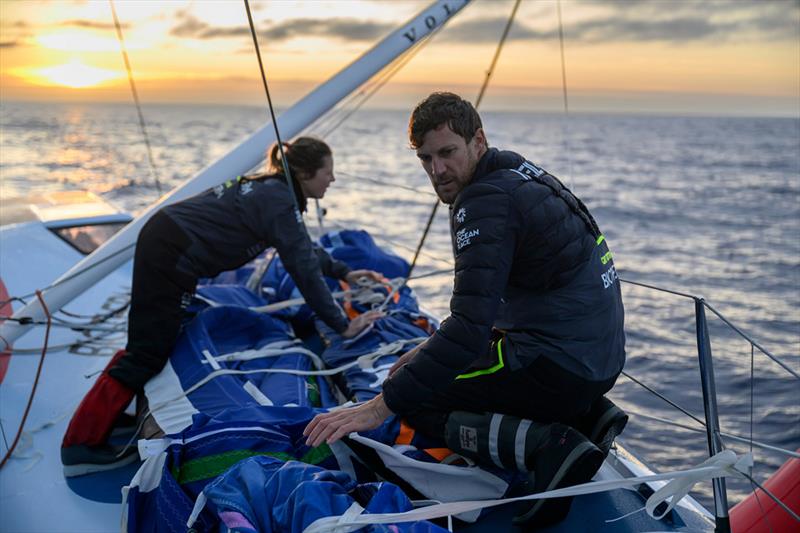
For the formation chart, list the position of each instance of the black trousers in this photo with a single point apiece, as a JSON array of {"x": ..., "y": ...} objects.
[
  {"x": 542, "y": 392},
  {"x": 159, "y": 294}
]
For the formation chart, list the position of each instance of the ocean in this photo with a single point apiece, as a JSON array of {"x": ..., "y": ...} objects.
[{"x": 700, "y": 205}]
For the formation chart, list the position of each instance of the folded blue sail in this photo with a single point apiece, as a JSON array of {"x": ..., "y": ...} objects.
[
  {"x": 237, "y": 389},
  {"x": 266, "y": 495}
]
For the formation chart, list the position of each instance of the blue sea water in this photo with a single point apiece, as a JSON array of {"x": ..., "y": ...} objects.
[{"x": 699, "y": 205}]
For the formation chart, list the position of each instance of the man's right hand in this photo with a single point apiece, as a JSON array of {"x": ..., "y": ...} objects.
[{"x": 360, "y": 322}]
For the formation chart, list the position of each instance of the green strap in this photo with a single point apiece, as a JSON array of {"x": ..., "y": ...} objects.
[
  {"x": 212, "y": 466},
  {"x": 490, "y": 370}
]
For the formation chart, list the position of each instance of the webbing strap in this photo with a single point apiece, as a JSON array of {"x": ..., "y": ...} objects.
[{"x": 725, "y": 463}]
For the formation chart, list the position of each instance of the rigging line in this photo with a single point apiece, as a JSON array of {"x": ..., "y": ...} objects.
[
  {"x": 396, "y": 66},
  {"x": 566, "y": 100},
  {"x": 364, "y": 93},
  {"x": 730, "y": 436},
  {"x": 285, "y": 163},
  {"x": 497, "y": 54},
  {"x": 142, "y": 126},
  {"x": 416, "y": 190},
  {"x": 774, "y": 498},
  {"x": 422, "y": 240},
  {"x": 751, "y": 341},
  {"x": 673, "y": 404},
  {"x": 102, "y": 317},
  {"x": 35, "y": 382},
  {"x": 65, "y": 325},
  {"x": 432, "y": 273}
]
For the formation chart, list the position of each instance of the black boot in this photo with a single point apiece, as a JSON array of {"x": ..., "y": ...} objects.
[
  {"x": 602, "y": 423},
  {"x": 555, "y": 455}
]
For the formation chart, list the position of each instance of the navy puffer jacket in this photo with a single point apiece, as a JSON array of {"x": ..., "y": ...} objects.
[
  {"x": 232, "y": 223},
  {"x": 530, "y": 261}
]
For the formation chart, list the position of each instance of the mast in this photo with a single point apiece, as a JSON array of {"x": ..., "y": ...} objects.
[{"x": 119, "y": 249}]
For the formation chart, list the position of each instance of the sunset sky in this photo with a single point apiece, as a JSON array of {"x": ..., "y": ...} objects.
[{"x": 714, "y": 57}]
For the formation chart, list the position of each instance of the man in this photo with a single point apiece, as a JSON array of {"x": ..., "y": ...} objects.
[{"x": 516, "y": 374}]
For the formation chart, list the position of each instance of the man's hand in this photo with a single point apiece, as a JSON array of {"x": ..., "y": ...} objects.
[
  {"x": 360, "y": 322},
  {"x": 406, "y": 358},
  {"x": 330, "y": 427},
  {"x": 354, "y": 278}
]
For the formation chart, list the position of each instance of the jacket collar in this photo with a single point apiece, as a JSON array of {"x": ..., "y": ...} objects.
[{"x": 486, "y": 164}]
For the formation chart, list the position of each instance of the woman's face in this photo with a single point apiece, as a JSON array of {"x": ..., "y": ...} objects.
[{"x": 316, "y": 185}]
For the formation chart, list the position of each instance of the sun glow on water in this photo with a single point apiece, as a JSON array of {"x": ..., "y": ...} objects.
[{"x": 76, "y": 75}]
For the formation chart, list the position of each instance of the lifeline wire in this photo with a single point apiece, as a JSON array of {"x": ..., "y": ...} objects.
[
  {"x": 743, "y": 440},
  {"x": 135, "y": 98},
  {"x": 774, "y": 498},
  {"x": 673, "y": 404},
  {"x": 721, "y": 317}
]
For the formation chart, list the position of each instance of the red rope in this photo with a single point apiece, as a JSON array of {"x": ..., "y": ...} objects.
[{"x": 35, "y": 381}]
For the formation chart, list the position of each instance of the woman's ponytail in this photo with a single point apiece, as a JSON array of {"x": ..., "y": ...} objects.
[{"x": 305, "y": 155}]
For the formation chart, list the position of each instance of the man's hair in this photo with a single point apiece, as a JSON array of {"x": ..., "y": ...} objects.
[
  {"x": 443, "y": 108},
  {"x": 305, "y": 156}
]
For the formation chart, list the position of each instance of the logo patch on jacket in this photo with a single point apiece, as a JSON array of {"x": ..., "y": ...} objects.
[
  {"x": 468, "y": 438},
  {"x": 464, "y": 237},
  {"x": 529, "y": 168},
  {"x": 461, "y": 215}
]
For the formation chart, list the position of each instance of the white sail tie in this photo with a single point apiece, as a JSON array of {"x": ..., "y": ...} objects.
[{"x": 725, "y": 463}]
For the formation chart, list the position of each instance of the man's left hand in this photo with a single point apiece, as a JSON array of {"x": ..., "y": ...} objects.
[
  {"x": 330, "y": 427},
  {"x": 354, "y": 277}
]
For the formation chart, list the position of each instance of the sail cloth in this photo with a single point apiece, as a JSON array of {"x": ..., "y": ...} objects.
[{"x": 234, "y": 413}]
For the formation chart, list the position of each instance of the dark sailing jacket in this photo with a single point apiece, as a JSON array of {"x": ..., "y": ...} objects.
[
  {"x": 530, "y": 261},
  {"x": 232, "y": 223}
]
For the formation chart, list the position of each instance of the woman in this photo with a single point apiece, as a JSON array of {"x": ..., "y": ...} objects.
[{"x": 218, "y": 230}]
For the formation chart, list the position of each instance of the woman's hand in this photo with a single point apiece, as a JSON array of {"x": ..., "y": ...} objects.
[
  {"x": 360, "y": 322},
  {"x": 406, "y": 358},
  {"x": 330, "y": 427},
  {"x": 354, "y": 278}
]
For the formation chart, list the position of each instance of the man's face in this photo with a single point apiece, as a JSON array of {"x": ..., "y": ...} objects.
[{"x": 449, "y": 160}]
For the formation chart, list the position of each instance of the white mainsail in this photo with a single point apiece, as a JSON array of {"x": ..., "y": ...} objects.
[{"x": 244, "y": 157}]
